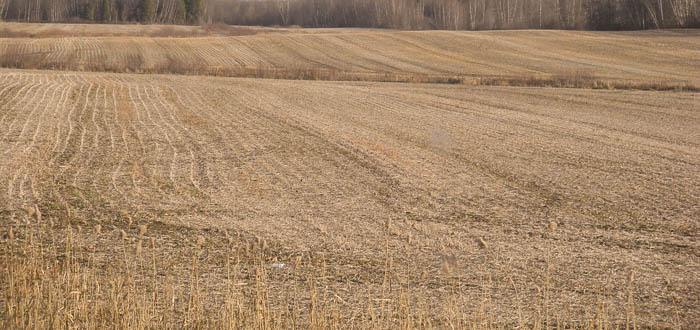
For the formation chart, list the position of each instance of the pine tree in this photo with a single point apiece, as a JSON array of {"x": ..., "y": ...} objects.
[
  {"x": 601, "y": 14},
  {"x": 195, "y": 11},
  {"x": 201, "y": 10},
  {"x": 188, "y": 9},
  {"x": 146, "y": 10},
  {"x": 90, "y": 11},
  {"x": 106, "y": 10},
  {"x": 181, "y": 12}
]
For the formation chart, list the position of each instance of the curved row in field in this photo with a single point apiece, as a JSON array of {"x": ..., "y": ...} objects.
[
  {"x": 651, "y": 56},
  {"x": 324, "y": 166}
]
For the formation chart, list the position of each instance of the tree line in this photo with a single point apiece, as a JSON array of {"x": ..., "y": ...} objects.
[
  {"x": 104, "y": 11},
  {"x": 398, "y": 14}
]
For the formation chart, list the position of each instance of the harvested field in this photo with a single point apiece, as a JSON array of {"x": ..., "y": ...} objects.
[
  {"x": 652, "y": 57},
  {"x": 55, "y": 30},
  {"x": 466, "y": 206}
]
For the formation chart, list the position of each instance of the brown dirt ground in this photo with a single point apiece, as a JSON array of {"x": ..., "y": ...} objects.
[{"x": 320, "y": 167}]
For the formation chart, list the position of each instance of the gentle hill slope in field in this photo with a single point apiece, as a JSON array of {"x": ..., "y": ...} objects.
[
  {"x": 192, "y": 201},
  {"x": 650, "y": 56},
  {"x": 571, "y": 189}
]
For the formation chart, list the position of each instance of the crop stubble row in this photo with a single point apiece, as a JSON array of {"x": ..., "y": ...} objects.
[
  {"x": 638, "y": 56},
  {"x": 324, "y": 165}
]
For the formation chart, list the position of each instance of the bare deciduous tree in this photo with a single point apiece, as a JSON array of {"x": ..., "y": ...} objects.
[
  {"x": 283, "y": 8},
  {"x": 400, "y": 14}
]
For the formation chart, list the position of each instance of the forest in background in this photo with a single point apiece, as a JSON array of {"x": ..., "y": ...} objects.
[{"x": 396, "y": 14}]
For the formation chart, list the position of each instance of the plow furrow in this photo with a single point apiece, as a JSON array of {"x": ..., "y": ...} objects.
[{"x": 352, "y": 168}]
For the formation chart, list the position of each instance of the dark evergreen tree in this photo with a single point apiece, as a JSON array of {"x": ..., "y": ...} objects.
[
  {"x": 195, "y": 11},
  {"x": 106, "y": 10},
  {"x": 601, "y": 14},
  {"x": 180, "y": 12},
  {"x": 146, "y": 11},
  {"x": 90, "y": 11}
]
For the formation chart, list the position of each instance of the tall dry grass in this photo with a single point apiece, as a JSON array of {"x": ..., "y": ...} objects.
[
  {"x": 585, "y": 79},
  {"x": 53, "y": 275}
]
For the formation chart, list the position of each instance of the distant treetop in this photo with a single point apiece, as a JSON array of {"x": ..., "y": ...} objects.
[{"x": 397, "y": 14}]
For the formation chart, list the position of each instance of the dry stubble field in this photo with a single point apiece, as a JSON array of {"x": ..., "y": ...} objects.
[
  {"x": 167, "y": 199},
  {"x": 671, "y": 57}
]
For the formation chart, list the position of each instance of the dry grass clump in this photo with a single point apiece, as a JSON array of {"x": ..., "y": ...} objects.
[
  {"x": 80, "y": 288},
  {"x": 142, "y": 230},
  {"x": 585, "y": 79},
  {"x": 200, "y": 240},
  {"x": 19, "y": 60},
  {"x": 482, "y": 244},
  {"x": 178, "y": 65},
  {"x": 217, "y": 29},
  {"x": 37, "y": 213},
  {"x": 7, "y": 32},
  {"x": 171, "y": 32},
  {"x": 228, "y": 30}
]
